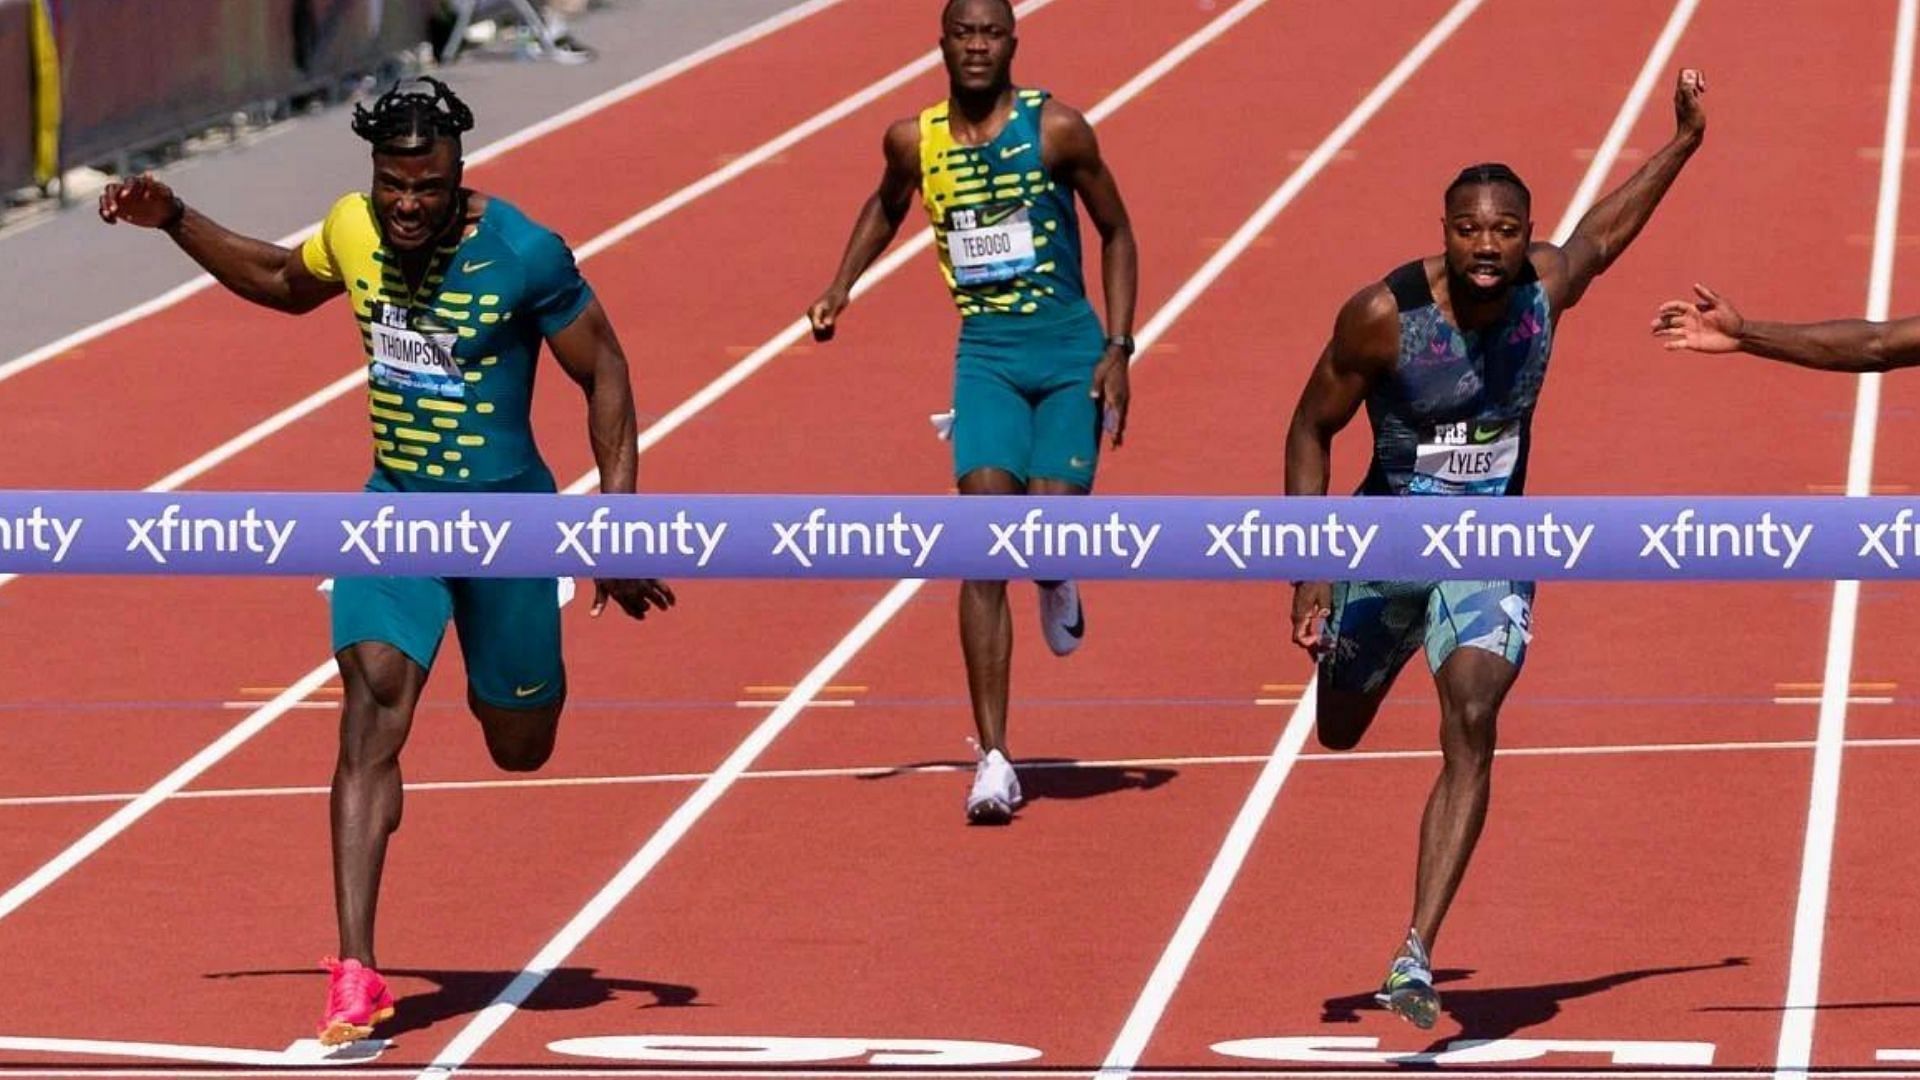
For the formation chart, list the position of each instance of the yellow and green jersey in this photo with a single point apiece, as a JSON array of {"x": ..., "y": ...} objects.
[
  {"x": 450, "y": 368},
  {"x": 1007, "y": 234}
]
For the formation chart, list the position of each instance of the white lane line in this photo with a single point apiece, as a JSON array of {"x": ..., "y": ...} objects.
[
  {"x": 168, "y": 785},
  {"x": 1653, "y": 73},
  {"x": 357, "y": 378},
  {"x": 1161, "y": 985},
  {"x": 320, "y": 676},
  {"x": 489, "y": 1021},
  {"x": 1795, "y": 1051},
  {"x": 507, "y": 144},
  {"x": 880, "y": 772}
]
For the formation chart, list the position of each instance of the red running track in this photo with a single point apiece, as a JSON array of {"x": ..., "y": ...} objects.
[{"x": 858, "y": 906}]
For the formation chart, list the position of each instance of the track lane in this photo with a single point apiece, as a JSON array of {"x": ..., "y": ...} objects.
[{"x": 1579, "y": 853}]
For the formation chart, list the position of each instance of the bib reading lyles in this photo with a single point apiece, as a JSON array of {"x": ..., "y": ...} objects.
[
  {"x": 990, "y": 244},
  {"x": 414, "y": 354},
  {"x": 1454, "y": 416},
  {"x": 1474, "y": 457}
]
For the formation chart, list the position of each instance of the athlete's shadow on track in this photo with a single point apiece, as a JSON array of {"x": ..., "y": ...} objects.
[
  {"x": 1504, "y": 1011},
  {"x": 1057, "y": 778},
  {"x": 463, "y": 993}
]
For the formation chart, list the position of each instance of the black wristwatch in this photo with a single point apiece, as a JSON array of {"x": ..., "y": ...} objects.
[{"x": 1124, "y": 343}]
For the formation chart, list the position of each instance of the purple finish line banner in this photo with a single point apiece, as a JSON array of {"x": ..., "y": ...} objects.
[{"x": 793, "y": 536}]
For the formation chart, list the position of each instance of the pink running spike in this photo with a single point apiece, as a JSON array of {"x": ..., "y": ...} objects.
[{"x": 357, "y": 999}]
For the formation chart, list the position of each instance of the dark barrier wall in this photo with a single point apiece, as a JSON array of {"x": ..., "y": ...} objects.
[
  {"x": 335, "y": 38},
  {"x": 138, "y": 73},
  {"x": 16, "y": 96}
]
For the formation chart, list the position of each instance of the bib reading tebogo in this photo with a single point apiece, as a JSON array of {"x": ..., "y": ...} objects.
[{"x": 990, "y": 244}]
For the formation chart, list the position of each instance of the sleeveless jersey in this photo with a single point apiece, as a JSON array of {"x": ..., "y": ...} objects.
[
  {"x": 1008, "y": 236},
  {"x": 1456, "y": 416}
]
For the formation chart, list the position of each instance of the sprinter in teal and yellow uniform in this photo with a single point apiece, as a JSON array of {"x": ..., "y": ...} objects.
[
  {"x": 454, "y": 292},
  {"x": 1037, "y": 379}
]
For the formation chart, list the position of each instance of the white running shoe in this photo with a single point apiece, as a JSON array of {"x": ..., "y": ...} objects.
[
  {"x": 996, "y": 790},
  {"x": 1062, "y": 620}
]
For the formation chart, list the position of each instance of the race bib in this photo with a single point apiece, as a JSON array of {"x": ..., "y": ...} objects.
[
  {"x": 990, "y": 244},
  {"x": 1471, "y": 457},
  {"x": 412, "y": 354}
]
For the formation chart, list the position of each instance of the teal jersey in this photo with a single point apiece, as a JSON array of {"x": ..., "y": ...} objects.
[
  {"x": 1007, "y": 233},
  {"x": 450, "y": 368}
]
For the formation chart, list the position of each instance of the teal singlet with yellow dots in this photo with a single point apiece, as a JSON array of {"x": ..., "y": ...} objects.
[
  {"x": 1008, "y": 237},
  {"x": 1007, "y": 233},
  {"x": 450, "y": 367}
]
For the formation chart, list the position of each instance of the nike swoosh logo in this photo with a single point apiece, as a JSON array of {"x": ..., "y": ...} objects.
[
  {"x": 528, "y": 691},
  {"x": 1012, "y": 150},
  {"x": 1079, "y": 627},
  {"x": 989, "y": 218},
  {"x": 468, "y": 268},
  {"x": 1079, "y": 463},
  {"x": 1481, "y": 435}
]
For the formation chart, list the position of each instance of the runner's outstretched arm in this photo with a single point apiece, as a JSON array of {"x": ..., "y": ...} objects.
[
  {"x": 1606, "y": 230},
  {"x": 1708, "y": 323},
  {"x": 267, "y": 274}
]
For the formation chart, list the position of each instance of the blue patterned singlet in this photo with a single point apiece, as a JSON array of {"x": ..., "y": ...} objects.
[{"x": 1456, "y": 416}]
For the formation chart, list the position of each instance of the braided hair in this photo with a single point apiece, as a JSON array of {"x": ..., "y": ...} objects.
[
  {"x": 1490, "y": 172},
  {"x": 410, "y": 121}
]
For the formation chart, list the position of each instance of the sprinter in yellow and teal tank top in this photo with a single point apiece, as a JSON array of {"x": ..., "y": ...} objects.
[
  {"x": 454, "y": 293},
  {"x": 1037, "y": 378}
]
